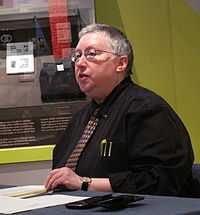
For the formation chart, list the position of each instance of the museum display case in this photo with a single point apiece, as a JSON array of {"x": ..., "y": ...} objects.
[{"x": 38, "y": 91}]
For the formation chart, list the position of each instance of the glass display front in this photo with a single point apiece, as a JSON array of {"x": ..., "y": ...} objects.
[{"x": 38, "y": 91}]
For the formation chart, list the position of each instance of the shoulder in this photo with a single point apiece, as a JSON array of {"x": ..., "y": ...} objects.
[
  {"x": 147, "y": 105},
  {"x": 143, "y": 99}
]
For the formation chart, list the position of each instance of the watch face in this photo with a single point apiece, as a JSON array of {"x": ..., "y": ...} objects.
[{"x": 86, "y": 179}]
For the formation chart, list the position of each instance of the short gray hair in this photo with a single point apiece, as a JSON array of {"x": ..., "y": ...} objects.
[{"x": 118, "y": 42}]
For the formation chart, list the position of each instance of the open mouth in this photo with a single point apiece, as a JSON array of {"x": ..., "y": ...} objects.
[{"x": 82, "y": 76}]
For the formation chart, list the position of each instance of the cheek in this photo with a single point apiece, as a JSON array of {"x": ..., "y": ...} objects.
[
  {"x": 107, "y": 72},
  {"x": 104, "y": 78},
  {"x": 76, "y": 74}
]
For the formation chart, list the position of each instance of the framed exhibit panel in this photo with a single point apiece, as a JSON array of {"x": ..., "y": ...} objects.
[{"x": 38, "y": 91}]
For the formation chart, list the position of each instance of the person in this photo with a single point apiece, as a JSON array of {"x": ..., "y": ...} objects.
[{"x": 139, "y": 144}]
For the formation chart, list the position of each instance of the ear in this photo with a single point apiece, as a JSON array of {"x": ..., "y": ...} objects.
[{"x": 123, "y": 63}]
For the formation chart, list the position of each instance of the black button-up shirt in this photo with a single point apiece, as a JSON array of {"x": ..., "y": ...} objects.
[{"x": 140, "y": 143}]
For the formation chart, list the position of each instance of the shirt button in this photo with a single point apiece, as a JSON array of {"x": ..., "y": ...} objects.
[{"x": 105, "y": 116}]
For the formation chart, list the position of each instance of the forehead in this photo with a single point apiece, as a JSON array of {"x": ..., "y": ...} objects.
[{"x": 96, "y": 40}]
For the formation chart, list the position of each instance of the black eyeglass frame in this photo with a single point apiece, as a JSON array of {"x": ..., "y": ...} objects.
[{"x": 90, "y": 56}]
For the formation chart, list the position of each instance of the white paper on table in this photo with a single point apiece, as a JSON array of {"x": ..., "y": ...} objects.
[{"x": 11, "y": 205}]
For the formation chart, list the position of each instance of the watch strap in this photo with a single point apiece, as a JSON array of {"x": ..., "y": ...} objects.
[{"x": 85, "y": 183}]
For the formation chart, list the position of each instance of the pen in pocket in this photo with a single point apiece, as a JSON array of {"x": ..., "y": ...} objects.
[
  {"x": 110, "y": 148},
  {"x": 103, "y": 144},
  {"x": 105, "y": 148}
]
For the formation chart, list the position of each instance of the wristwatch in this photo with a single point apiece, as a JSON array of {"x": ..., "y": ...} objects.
[{"x": 85, "y": 183}]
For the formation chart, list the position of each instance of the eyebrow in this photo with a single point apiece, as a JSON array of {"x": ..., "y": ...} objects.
[{"x": 89, "y": 47}]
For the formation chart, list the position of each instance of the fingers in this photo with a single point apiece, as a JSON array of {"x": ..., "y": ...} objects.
[
  {"x": 55, "y": 178},
  {"x": 47, "y": 184},
  {"x": 63, "y": 176},
  {"x": 52, "y": 179}
]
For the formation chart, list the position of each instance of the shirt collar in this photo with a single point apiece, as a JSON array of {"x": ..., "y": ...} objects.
[{"x": 103, "y": 107}]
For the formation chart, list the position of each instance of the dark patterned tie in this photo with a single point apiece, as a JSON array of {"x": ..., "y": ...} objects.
[{"x": 87, "y": 133}]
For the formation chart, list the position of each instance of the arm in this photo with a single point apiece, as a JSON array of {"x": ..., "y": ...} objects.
[
  {"x": 100, "y": 185},
  {"x": 65, "y": 176},
  {"x": 159, "y": 155}
]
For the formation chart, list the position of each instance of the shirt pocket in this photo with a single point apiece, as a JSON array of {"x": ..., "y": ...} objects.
[{"x": 114, "y": 155}]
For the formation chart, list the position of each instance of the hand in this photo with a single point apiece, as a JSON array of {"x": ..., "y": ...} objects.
[{"x": 63, "y": 176}]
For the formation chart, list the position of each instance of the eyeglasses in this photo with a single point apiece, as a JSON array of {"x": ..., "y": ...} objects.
[{"x": 91, "y": 54}]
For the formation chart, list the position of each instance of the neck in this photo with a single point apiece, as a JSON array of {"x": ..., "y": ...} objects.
[
  {"x": 102, "y": 98},
  {"x": 102, "y": 94}
]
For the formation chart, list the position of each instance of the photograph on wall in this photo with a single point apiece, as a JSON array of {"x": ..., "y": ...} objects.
[{"x": 19, "y": 58}]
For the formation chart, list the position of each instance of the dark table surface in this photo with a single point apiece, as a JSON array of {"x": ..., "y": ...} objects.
[{"x": 151, "y": 205}]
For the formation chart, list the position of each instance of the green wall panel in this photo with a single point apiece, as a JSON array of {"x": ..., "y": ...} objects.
[
  {"x": 185, "y": 24},
  {"x": 146, "y": 24},
  {"x": 26, "y": 154},
  {"x": 165, "y": 34}
]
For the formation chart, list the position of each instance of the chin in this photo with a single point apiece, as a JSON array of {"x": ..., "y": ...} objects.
[
  {"x": 86, "y": 89},
  {"x": 89, "y": 94}
]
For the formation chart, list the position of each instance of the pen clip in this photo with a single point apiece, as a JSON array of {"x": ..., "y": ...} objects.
[{"x": 103, "y": 144}]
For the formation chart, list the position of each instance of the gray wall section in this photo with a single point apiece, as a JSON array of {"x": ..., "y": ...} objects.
[{"x": 30, "y": 173}]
